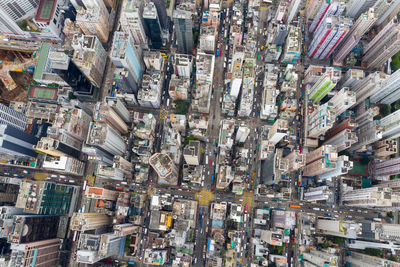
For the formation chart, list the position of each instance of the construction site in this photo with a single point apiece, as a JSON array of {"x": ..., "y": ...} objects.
[{"x": 16, "y": 72}]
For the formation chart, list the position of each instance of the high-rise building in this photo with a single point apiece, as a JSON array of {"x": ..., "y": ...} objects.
[
  {"x": 389, "y": 90},
  {"x": 385, "y": 148},
  {"x": 391, "y": 125},
  {"x": 7, "y": 218},
  {"x": 120, "y": 108},
  {"x": 292, "y": 10},
  {"x": 40, "y": 253},
  {"x": 12, "y": 117},
  {"x": 192, "y": 153},
  {"x": 321, "y": 193},
  {"x": 132, "y": 21},
  {"x": 152, "y": 22},
  {"x": 367, "y": 134},
  {"x": 324, "y": 116},
  {"x": 165, "y": 168},
  {"x": 94, "y": 21},
  {"x": 12, "y": 12},
  {"x": 319, "y": 258},
  {"x": 89, "y": 221},
  {"x": 384, "y": 8},
  {"x": 352, "y": 77},
  {"x": 341, "y": 166},
  {"x": 354, "y": 8},
  {"x": 343, "y": 140},
  {"x": 356, "y": 259},
  {"x": 359, "y": 28},
  {"x": 278, "y": 130},
  {"x": 342, "y": 228},
  {"x": 101, "y": 193},
  {"x": 322, "y": 85},
  {"x": 183, "y": 65},
  {"x": 90, "y": 57},
  {"x": 295, "y": 160},
  {"x": 329, "y": 34},
  {"x": 242, "y": 134},
  {"x": 57, "y": 67},
  {"x": 348, "y": 123},
  {"x": 161, "y": 12},
  {"x": 386, "y": 167},
  {"x": 292, "y": 49},
  {"x": 183, "y": 29},
  {"x": 327, "y": 9},
  {"x": 107, "y": 139},
  {"x": 14, "y": 142},
  {"x": 47, "y": 198},
  {"x": 368, "y": 197},
  {"x": 207, "y": 39},
  {"x": 365, "y": 114},
  {"x": 369, "y": 85},
  {"x": 108, "y": 115},
  {"x": 125, "y": 54},
  {"x": 384, "y": 45},
  {"x": 280, "y": 11},
  {"x": 40, "y": 227},
  {"x": 321, "y": 160},
  {"x": 313, "y": 7}
]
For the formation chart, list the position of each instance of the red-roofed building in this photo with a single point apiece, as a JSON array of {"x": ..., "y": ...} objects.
[{"x": 49, "y": 19}]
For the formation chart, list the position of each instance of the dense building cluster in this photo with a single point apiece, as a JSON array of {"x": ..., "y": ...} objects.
[{"x": 199, "y": 133}]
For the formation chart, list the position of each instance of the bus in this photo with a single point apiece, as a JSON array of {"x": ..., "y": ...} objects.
[
  {"x": 295, "y": 206},
  {"x": 258, "y": 56}
]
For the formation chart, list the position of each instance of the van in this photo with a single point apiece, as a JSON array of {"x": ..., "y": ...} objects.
[{"x": 316, "y": 209}]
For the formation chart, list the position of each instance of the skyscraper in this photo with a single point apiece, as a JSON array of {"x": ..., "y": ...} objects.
[
  {"x": 386, "y": 168},
  {"x": 354, "y": 8},
  {"x": 152, "y": 22},
  {"x": 57, "y": 67},
  {"x": 12, "y": 117},
  {"x": 125, "y": 54},
  {"x": 389, "y": 90},
  {"x": 327, "y": 9},
  {"x": 132, "y": 21},
  {"x": 31, "y": 228},
  {"x": 107, "y": 139},
  {"x": 391, "y": 125},
  {"x": 47, "y": 198},
  {"x": 39, "y": 253},
  {"x": 183, "y": 29},
  {"x": 384, "y": 45},
  {"x": 369, "y": 85},
  {"x": 14, "y": 142},
  {"x": 328, "y": 35},
  {"x": 90, "y": 57},
  {"x": 292, "y": 9},
  {"x": 360, "y": 27},
  {"x": 12, "y": 12},
  {"x": 89, "y": 221}
]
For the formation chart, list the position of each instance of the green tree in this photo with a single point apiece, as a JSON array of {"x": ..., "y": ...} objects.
[
  {"x": 390, "y": 214},
  {"x": 374, "y": 252},
  {"x": 339, "y": 240},
  {"x": 393, "y": 258},
  {"x": 326, "y": 244},
  {"x": 190, "y": 138},
  {"x": 384, "y": 109},
  {"x": 181, "y": 107}
]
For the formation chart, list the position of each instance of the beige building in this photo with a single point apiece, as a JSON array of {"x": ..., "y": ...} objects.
[
  {"x": 192, "y": 153},
  {"x": 89, "y": 221},
  {"x": 94, "y": 22}
]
